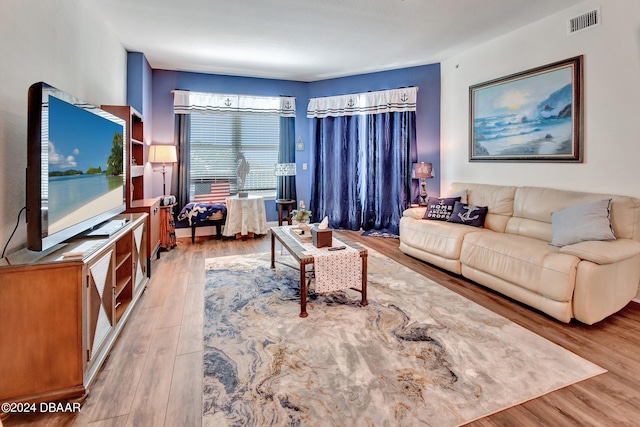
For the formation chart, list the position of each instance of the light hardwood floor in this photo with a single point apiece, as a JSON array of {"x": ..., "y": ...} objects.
[{"x": 153, "y": 376}]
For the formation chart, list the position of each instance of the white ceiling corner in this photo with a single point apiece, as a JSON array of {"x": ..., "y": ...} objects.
[{"x": 309, "y": 40}]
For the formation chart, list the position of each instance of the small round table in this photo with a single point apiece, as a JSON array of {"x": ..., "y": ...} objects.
[
  {"x": 246, "y": 216},
  {"x": 284, "y": 204}
]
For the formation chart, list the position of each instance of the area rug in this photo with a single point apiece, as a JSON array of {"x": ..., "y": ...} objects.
[{"x": 417, "y": 355}]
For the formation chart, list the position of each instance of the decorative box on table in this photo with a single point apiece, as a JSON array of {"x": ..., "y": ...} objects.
[
  {"x": 300, "y": 234},
  {"x": 321, "y": 238}
]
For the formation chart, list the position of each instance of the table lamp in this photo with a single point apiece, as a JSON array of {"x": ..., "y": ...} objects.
[
  {"x": 163, "y": 153},
  {"x": 422, "y": 171},
  {"x": 284, "y": 170}
]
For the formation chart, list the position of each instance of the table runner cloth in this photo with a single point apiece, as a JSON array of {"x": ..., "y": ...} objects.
[{"x": 335, "y": 270}]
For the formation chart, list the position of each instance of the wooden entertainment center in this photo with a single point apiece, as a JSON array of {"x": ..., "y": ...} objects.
[
  {"x": 60, "y": 315},
  {"x": 136, "y": 202}
]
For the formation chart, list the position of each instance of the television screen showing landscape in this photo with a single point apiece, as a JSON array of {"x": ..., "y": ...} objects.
[{"x": 85, "y": 165}]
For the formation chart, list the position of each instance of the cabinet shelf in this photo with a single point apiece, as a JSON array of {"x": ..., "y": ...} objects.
[
  {"x": 122, "y": 285},
  {"x": 135, "y": 149},
  {"x": 121, "y": 258}
]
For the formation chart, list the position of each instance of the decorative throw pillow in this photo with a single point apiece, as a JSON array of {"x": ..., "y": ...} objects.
[
  {"x": 588, "y": 221},
  {"x": 440, "y": 209},
  {"x": 468, "y": 214}
]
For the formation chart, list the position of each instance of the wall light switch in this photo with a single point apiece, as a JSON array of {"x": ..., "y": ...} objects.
[{"x": 304, "y": 166}]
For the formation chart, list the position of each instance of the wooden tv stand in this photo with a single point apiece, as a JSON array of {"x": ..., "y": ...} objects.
[{"x": 60, "y": 316}]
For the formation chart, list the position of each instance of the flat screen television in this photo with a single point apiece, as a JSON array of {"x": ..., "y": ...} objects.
[{"x": 75, "y": 167}]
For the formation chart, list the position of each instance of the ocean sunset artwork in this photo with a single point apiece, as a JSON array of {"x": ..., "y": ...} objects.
[{"x": 530, "y": 116}]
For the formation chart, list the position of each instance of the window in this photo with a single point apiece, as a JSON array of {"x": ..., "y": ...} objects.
[
  {"x": 223, "y": 126},
  {"x": 217, "y": 139}
]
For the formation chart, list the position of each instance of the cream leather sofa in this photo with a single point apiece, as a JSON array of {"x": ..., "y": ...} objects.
[{"x": 512, "y": 254}]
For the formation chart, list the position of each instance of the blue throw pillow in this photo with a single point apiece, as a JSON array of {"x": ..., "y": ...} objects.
[
  {"x": 440, "y": 209},
  {"x": 588, "y": 221},
  {"x": 468, "y": 214}
]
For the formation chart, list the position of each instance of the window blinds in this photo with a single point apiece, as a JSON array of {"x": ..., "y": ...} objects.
[
  {"x": 224, "y": 125},
  {"x": 216, "y": 140}
]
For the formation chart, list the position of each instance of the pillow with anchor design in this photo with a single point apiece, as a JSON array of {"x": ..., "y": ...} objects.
[{"x": 468, "y": 214}]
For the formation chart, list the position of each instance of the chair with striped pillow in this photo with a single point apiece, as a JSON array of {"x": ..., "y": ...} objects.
[{"x": 218, "y": 194}]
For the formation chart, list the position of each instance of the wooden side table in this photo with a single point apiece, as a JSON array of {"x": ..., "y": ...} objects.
[
  {"x": 283, "y": 205},
  {"x": 167, "y": 228}
]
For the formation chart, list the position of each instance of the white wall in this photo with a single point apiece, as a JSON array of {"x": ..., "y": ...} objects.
[
  {"x": 611, "y": 101},
  {"x": 611, "y": 94},
  {"x": 60, "y": 42}
]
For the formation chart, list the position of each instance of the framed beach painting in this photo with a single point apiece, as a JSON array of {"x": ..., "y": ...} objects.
[{"x": 535, "y": 115}]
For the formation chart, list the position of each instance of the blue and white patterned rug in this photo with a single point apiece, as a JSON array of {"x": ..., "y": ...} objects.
[{"x": 417, "y": 355}]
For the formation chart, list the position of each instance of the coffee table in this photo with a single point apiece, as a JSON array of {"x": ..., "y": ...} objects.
[{"x": 299, "y": 252}]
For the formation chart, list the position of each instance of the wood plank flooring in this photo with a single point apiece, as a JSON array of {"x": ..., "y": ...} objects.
[{"x": 153, "y": 375}]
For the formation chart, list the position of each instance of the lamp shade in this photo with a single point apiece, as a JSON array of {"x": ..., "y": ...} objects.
[
  {"x": 163, "y": 154},
  {"x": 422, "y": 170},
  {"x": 285, "y": 169}
]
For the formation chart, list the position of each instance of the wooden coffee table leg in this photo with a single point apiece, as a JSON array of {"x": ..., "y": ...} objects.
[
  {"x": 364, "y": 279},
  {"x": 273, "y": 250},
  {"x": 303, "y": 289}
]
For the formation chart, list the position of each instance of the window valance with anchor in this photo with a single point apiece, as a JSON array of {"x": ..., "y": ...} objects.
[
  {"x": 186, "y": 102},
  {"x": 384, "y": 101}
]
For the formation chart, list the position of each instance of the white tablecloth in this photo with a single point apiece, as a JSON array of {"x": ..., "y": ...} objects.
[{"x": 245, "y": 215}]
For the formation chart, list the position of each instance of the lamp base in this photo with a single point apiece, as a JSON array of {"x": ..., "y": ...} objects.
[{"x": 423, "y": 193}]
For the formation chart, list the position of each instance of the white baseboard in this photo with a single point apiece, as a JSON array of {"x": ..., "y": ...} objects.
[
  {"x": 209, "y": 230},
  {"x": 200, "y": 231}
]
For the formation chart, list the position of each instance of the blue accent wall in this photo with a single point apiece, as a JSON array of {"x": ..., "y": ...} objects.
[
  {"x": 166, "y": 81},
  {"x": 139, "y": 83},
  {"x": 139, "y": 90},
  {"x": 426, "y": 77}
]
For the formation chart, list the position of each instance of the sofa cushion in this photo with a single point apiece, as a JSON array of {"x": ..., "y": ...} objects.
[
  {"x": 581, "y": 223},
  {"x": 436, "y": 237},
  {"x": 533, "y": 206},
  {"x": 468, "y": 214},
  {"x": 440, "y": 209},
  {"x": 460, "y": 193},
  {"x": 532, "y": 264},
  {"x": 415, "y": 213},
  {"x": 498, "y": 198},
  {"x": 603, "y": 252}
]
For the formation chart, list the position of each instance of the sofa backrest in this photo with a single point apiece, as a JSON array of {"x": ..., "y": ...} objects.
[
  {"x": 533, "y": 206},
  {"x": 497, "y": 198}
]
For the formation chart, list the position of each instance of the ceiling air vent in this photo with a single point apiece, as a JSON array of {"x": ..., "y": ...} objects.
[{"x": 584, "y": 21}]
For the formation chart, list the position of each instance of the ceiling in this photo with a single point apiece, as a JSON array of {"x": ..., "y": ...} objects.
[{"x": 309, "y": 40}]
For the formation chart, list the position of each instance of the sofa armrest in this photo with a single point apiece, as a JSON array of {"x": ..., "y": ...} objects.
[
  {"x": 415, "y": 213},
  {"x": 603, "y": 252}
]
